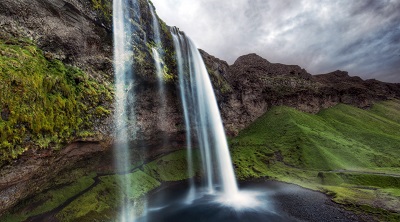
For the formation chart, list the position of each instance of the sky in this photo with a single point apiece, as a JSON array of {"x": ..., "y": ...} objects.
[{"x": 358, "y": 36}]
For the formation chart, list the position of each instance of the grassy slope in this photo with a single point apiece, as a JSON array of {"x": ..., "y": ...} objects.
[{"x": 302, "y": 148}]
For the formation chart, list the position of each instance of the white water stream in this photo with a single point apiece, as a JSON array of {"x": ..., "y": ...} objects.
[
  {"x": 216, "y": 158},
  {"x": 124, "y": 117}
]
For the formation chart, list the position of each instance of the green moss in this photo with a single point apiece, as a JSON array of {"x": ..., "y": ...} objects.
[
  {"x": 101, "y": 111},
  {"x": 167, "y": 75},
  {"x": 361, "y": 201},
  {"x": 48, "y": 201},
  {"x": 44, "y": 103},
  {"x": 392, "y": 191},
  {"x": 105, "y": 198},
  {"x": 388, "y": 109},
  {"x": 104, "y": 7},
  {"x": 363, "y": 179},
  {"x": 172, "y": 167}
]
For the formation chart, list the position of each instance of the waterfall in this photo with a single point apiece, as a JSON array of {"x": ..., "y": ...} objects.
[
  {"x": 158, "y": 54},
  {"x": 200, "y": 109},
  {"x": 156, "y": 26},
  {"x": 208, "y": 122},
  {"x": 124, "y": 116},
  {"x": 185, "y": 94}
]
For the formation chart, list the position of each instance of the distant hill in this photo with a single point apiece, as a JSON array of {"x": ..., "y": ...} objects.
[
  {"x": 347, "y": 152},
  {"x": 341, "y": 137},
  {"x": 252, "y": 85}
]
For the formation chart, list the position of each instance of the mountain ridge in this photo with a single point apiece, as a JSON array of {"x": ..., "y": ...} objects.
[{"x": 256, "y": 85}]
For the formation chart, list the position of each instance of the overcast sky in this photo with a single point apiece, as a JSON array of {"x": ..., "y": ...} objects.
[{"x": 359, "y": 36}]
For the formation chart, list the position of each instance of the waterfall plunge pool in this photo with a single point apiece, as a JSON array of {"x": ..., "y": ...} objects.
[{"x": 271, "y": 201}]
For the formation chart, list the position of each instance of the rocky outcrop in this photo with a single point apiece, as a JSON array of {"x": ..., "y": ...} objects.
[{"x": 256, "y": 85}]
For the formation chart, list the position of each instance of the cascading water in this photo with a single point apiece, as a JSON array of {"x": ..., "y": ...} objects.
[
  {"x": 199, "y": 108},
  {"x": 208, "y": 122},
  {"x": 185, "y": 94},
  {"x": 158, "y": 52},
  {"x": 124, "y": 117},
  {"x": 156, "y": 26}
]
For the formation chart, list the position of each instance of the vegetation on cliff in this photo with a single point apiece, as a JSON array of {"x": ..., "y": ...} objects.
[
  {"x": 104, "y": 8},
  {"x": 44, "y": 103}
]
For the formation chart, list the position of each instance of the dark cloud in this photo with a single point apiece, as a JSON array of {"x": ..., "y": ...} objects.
[
  {"x": 368, "y": 6},
  {"x": 360, "y": 36}
]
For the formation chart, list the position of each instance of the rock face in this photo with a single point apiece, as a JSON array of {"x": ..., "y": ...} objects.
[
  {"x": 255, "y": 85},
  {"x": 67, "y": 30}
]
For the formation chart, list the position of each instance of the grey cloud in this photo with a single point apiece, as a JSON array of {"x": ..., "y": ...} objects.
[{"x": 359, "y": 36}]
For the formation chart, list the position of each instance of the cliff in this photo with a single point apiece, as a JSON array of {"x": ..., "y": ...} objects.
[
  {"x": 255, "y": 85},
  {"x": 57, "y": 92}
]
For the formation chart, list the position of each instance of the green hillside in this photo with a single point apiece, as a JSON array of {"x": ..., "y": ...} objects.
[
  {"x": 342, "y": 137},
  {"x": 349, "y": 153}
]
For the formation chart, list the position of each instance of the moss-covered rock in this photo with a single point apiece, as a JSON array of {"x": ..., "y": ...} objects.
[
  {"x": 104, "y": 8},
  {"x": 99, "y": 197},
  {"x": 104, "y": 199},
  {"x": 44, "y": 103},
  {"x": 47, "y": 201},
  {"x": 172, "y": 167}
]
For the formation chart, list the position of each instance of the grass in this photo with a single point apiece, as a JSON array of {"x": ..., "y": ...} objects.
[
  {"x": 344, "y": 151},
  {"x": 172, "y": 167},
  {"x": 103, "y": 200},
  {"x": 342, "y": 137},
  {"x": 48, "y": 201},
  {"x": 44, "y": 103}
]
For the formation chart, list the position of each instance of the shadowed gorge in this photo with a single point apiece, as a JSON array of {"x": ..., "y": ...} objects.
[{"x": 109, "y": 114}]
